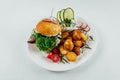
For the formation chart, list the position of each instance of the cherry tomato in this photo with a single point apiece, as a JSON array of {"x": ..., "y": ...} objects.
[
  {"x": 55, "y": 58},
  {"x": 55, "y": 51},
  {"x": 50, "y": 55}
]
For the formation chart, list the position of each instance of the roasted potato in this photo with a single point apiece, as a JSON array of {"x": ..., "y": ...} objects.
[
  {"x": 62, "y": 50},
  {"x": 76, "y": 34},
  {"x": 65, "y": 34},
  {"x": 69, "y": 37},
  {"x": 77, "y": 50},
  {"x": 78, "y": 43},
  {"x": 71, "y": 56},
  {"x": 68, "y": 44},
  {"x": 62, "y": 41},
  {"x": 84, "y": 37}
]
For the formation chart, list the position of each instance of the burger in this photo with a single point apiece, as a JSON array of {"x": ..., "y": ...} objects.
[
  {"x": 46, "y": 34},
  {"x": 48, "y": 27}
]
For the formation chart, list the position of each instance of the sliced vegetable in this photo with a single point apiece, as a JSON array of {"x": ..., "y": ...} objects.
[
  {"x": 87, "y": 29},
  {"x": 68, "y": 14},
  {"x": 32, "y": 40},
  {"x": 55, "y": 58},
  {"x": 83, "y": 26},
  {"x": 61, "y": 15},
  {"x": 58, "y": 16},
  {"x": 50, "y": 55}
]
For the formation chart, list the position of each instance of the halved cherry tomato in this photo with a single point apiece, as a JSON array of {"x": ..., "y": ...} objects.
[
  {"x": 50, "y": 55},
  {"x": 55, "y": 58},
  {"x": 55, "y": 51}
]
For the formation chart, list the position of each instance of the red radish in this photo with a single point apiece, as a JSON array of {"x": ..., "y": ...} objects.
[
  {"x": 79, "y": 25},
  {"x": 32, "y": 41},
  {"x": 55, "y": 58},
  {"x": 83, "y": 26},
  {"x": 55, "y": 51},
  {"x": 50, "y": 55},
  {"x": 87, "y": 29}
]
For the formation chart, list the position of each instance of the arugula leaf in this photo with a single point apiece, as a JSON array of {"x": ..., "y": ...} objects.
[{"x": 45, "y": 43}]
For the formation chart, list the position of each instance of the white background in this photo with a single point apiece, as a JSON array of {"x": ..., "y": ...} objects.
[{"x": 19, "y": 17}]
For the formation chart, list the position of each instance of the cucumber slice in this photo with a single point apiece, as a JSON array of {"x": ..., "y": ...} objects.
[
  {"x": 61, "y": 14},
  {"x": 58, "y": 16},
  {"x": 68, "y": 14}
]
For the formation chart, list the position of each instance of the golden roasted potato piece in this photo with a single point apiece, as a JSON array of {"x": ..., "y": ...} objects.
[
  {"x": 62, "y": 50},
  {"x": 62, "y": 41},
  {"x": 84, "y": 37},
  {"x": 78, "y": 43},
  {"x": 76, "y": 34},
  {"x": 71, "y": 56},
  {"x": 69, "y": 37},
  {"x": 65, "y": 34},
  {"x": 77, "y": 50},
  {"x": 68, "y": 44}
]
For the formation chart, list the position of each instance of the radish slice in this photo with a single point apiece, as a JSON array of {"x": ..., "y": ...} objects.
[
  {"x": 83, "y": 26},
  {"x": 80, "y": 24},
  {"x": 87, "y": 29}
]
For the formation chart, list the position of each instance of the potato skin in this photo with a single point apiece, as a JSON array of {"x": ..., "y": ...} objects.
[
  {"x": 84, "y": 37},
  {"x": 68, "y": 44},
  {"x": 77, "y": 50},
  {"x": 71, "y": 56},
  {"x": 62, "y": 50},
  {"x": 76, "y": 34},
  {"x": 69, "y": 37},
  {"x": 65, "y": 34},
  {"x": 78, "y": 43}
]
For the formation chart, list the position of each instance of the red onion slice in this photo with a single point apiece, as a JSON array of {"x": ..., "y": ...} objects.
[{"x": 31, "y": 41}]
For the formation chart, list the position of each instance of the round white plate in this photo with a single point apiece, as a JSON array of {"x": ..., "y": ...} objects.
[{"x": 40, "y": 57}]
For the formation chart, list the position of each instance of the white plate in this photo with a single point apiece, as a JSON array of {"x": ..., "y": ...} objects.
[{"x": 40, "y": 57}]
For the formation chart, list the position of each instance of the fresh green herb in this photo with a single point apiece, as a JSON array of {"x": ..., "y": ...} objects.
[
  {"x": 66, "y": 60},
  {"x": 67, "y": 22},
  {"x": 86, "y": 46},
  {"x": 91, "y": 38},
  {"x": 63, "y": 60},
  {"x": 33, "y": 34}
]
